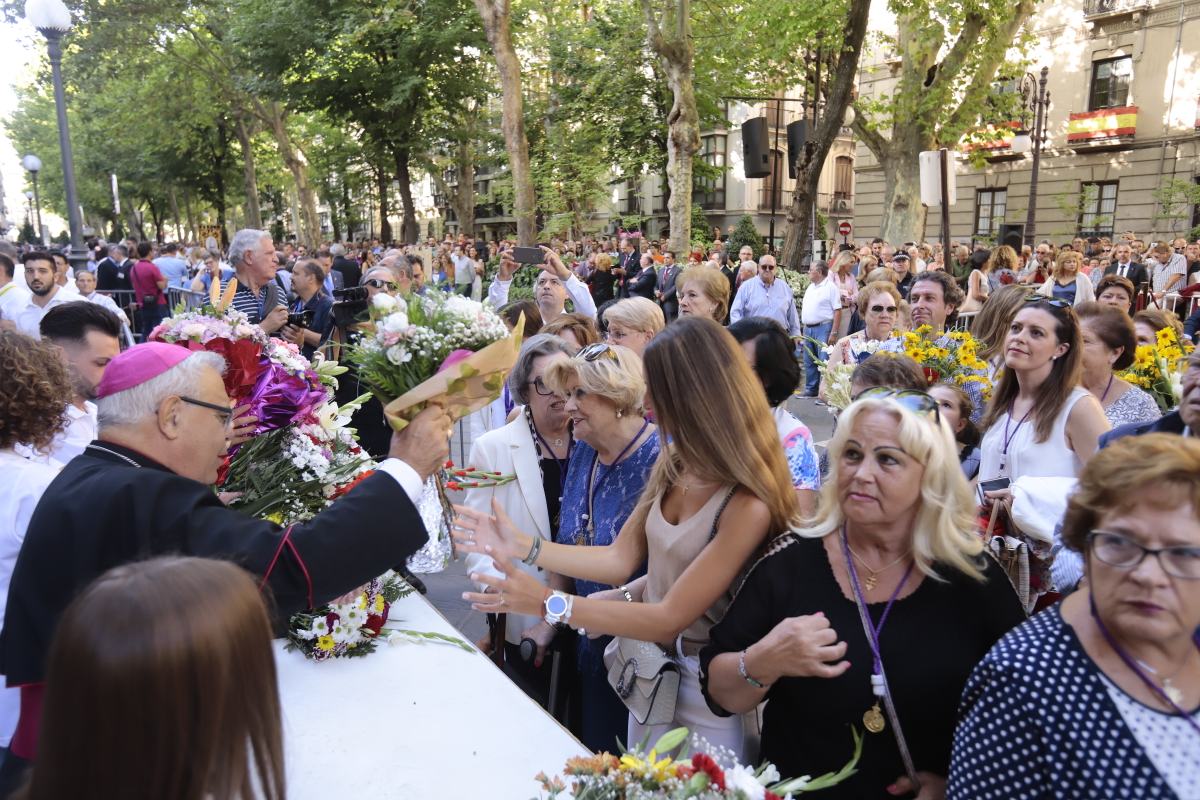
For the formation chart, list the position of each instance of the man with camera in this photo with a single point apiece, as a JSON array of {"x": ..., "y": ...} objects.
[{"x": 310, "y": 318}]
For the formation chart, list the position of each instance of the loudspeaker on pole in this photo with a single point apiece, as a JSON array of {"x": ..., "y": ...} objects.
[{"x": 755, "y": 153}]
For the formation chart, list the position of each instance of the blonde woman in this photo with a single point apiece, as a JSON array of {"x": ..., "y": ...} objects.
[
  {"x": 633, "y": 322},
  {"x": 892, "y": 542},
  {"x": 842, "y": 277},
  {"x": 703, "y": 293},
  {"x": 1067, "y": 281},
  {"x": 602, "y": 280},
  {"x": 720, "y": 490}
]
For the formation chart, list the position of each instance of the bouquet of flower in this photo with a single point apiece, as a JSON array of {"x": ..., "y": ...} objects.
[
  {"x": 949, "y": 356},
  {"x": 716, "y": 775},
  {"x": 435, "y": 346},
  {"x": 353, "y": 628},
  {"x": 1158, "y": 368},
  {"x": 293, "y": 473},
  {"x": 837, "y": 385}
]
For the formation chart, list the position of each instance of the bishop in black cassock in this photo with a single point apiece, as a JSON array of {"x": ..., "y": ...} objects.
[{"x": 142, "y": 490}]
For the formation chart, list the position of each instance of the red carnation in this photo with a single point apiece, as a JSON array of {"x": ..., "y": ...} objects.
[
  {"x": 704, "y": 763},
  {"x": 769, "y": 795}
]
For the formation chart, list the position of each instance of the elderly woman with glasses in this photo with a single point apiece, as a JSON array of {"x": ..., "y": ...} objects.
[
  {"x": 879, "y": 306},
  {"x": 602, "y": 390},
  {"x": 633, "y": 322},
  {"x": 536, "y": 447},
  {"x": 1098, "y": 696},
  {"x": 873, "y": 615}
]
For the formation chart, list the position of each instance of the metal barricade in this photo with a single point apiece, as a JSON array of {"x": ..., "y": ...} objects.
[{"x": 178, "y": 297}]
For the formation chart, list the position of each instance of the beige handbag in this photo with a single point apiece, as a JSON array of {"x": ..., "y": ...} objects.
[{"x": 644, "y": 677}]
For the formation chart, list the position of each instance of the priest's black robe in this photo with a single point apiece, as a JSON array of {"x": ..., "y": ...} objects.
[{"x": 102, "y": 511}]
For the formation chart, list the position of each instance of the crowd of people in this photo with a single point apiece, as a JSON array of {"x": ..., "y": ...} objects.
[{"x": 670, "y": 514}]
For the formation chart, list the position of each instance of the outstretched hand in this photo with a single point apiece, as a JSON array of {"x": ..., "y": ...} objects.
[
  {"x": 515, "y": 592},
  {"x": 495, "y": 536}
]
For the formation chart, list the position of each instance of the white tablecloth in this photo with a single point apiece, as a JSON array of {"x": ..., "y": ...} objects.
[{"x": 413, "y": 721}]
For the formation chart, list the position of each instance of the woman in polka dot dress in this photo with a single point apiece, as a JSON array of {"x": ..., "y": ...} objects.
[{"x": 1099, "y": 696}]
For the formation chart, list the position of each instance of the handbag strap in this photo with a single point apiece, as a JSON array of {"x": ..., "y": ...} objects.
[
  {"x": 901, "y": 743},
  {"x": 712, "y": 534}
]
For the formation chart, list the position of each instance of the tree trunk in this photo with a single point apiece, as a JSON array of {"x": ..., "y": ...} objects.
[
  {"x": 671, "y": 42},
  {"x": 294, "y": 202},
  {"x": 174, "y": 201},
  {"x": 903, "y": 214},
  {"x": 495, "y": 15},
  {"x": 348, "y": 209},
  {"x": 409, "y": 231},
  {"x": 811, "y": 162},
  {"x": 193, "y": 229},
  {"x": 464, "y": 194},
  {"x": 385, "y": 226},
  {"x": 249, "y": 175},
  {"x": 308, "y": 223}
]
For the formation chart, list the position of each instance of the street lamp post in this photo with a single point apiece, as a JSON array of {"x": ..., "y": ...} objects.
[
  {"x": 33, "y": 165},
  {"x": 1035, "y": 103},
  {"x": 53, "y": 20}
]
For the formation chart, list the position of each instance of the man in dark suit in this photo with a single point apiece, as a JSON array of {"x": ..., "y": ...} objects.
[
  {"x": 666, "y": 286},
  {"x": 1184, "y": 420},
  {"x": 643, "y": 281},
  {"x": 1124, "y": 265},
  {"x": 627, "y": 267},
  {"x": 115, "y": 272},
  {"x": 348, "y": 268}
]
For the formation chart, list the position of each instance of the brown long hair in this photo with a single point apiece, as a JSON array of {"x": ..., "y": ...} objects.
[
  {"x": 171, "y": 660},
  {"x": 712, "y": 409},
  {"x": 1064, "y": 375}
]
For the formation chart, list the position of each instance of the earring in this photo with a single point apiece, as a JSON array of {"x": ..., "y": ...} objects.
[{"x": 620, "y": 414}]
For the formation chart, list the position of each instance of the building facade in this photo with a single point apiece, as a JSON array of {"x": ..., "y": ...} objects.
[{"x": 1123, "y": 126}]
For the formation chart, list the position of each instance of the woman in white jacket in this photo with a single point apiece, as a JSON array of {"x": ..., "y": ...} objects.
[
  {"x": 1067, "y": 281},
  {"x": 535, "y": 447}
]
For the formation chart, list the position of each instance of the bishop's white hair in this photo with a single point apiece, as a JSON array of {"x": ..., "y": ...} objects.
[{"x": 132, "y": 405}]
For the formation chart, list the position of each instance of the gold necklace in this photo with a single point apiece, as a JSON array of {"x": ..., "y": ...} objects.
[
  {"x": 1174, "y": 693},
  {"x": 686, "y": 486},
  {"x": 872, "y": 580}
]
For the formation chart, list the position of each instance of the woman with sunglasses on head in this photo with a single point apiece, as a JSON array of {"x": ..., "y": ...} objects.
[
  {"x": 603, "y": 390},
  {"x": 1124, "y": 649},
  {"x": 720, "y": 490},
  {"x": 873, "y": 614}
]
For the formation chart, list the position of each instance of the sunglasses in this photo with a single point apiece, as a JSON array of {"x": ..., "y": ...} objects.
[
  {"x": 1050, "y": 301},
  {"x": 882, "y": 309},
  {"x": 594, "y": 352},
  {"x": 913, "y": 400},
  {"x": 381, "y": 284},
  {"x": 223, "y": 412}
]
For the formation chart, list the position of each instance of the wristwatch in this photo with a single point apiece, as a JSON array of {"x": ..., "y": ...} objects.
[{"x": 558, "y": 608}]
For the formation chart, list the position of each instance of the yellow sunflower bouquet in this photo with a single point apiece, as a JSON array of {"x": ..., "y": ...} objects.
[
  {"x": 1158, "y": 368},
  {"x": 951, "y": 356}
]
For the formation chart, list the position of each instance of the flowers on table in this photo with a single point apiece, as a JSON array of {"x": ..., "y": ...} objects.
[
  {"x": 1158, "y": 368},
  {"x": 708, "y": 773}
]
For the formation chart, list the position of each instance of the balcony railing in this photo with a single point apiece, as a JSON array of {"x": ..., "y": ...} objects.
[
  {"x": 1105, "y": 127},
  {"x": 1095, "y": 9}
]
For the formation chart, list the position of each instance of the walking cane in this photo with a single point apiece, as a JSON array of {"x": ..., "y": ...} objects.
[{"x": 499, "y": 628}]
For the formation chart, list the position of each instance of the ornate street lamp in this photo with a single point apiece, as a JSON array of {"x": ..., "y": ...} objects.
[
  {"x": 33, "y": 165},
  {"x": 1035, "y": 103},
  {"x": 53, "y": 20}
]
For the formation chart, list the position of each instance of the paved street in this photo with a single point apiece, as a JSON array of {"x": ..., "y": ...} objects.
[{"x": 445, "y": 589}]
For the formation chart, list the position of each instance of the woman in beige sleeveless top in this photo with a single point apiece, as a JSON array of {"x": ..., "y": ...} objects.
[{"x": 720, "y": 491}]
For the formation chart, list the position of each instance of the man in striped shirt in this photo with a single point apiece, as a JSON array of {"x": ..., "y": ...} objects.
[{"x": 258, "y": 296}]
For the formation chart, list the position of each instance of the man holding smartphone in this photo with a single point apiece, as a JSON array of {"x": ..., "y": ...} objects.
[{"x": 550, "y": 291}]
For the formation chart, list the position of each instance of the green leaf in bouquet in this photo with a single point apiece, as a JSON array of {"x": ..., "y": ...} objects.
[
  {"x": 795, "y": 785},
  {"x": 670, "y": 740}
]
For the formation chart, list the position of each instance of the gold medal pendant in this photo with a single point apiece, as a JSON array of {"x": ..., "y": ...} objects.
[{"x": 873, "y": 719}]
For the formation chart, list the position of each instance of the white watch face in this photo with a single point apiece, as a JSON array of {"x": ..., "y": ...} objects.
[{"x": 556, "y": 605}]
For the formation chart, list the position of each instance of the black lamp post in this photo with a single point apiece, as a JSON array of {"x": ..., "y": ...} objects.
[
  {"x": 53, "y": 20},
  {"x": 1035, "y": 103}
]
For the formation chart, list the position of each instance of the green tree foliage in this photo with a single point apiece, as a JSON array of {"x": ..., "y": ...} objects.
[{"x": 745, "y": 235}]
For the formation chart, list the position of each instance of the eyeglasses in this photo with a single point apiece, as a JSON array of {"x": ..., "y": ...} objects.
[
  {"x": 1122, "y": 552},
  {"x": 766, "y": 266},
  {"x": 223, "y": 412},
  {"x": 593, "y": 352},
  {"x": 882, "y": 309},
  {"x": 917, "y": 402},
  {"x": 1050, "y": 301},
  {"x": 381, "y": 284},
  {"x": 540, "y": 387}
]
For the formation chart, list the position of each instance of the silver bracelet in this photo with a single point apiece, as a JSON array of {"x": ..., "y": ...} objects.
[
  {"x": 534, "y": 550},
  {"x": 745, "y": 675},
  {"x": 628, "y": 595}
]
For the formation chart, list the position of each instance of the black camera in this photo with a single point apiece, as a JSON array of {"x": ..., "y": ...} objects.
[
  {"x": 348, "y": 304},
  {"x": 301, "y": 319}
]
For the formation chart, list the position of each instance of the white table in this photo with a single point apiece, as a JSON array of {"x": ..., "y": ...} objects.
[{"x": 413, "y": 721}]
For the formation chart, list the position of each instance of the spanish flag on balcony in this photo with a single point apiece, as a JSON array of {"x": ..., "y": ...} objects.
[{"x": 1106, "y": 123}]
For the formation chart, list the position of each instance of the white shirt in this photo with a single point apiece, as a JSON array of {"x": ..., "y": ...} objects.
[
  {"x": 464, "y": 270},
  {"x": 29, "y": 316},
  {"x": 13, "y": 297},
  {"x": 22, "y": 487},
  {"x": 820, "y": 302},
  {"x": 105, "y": 301},
  {"x": 577, "y": 290},
  {"x": 79, "y": 433}
]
